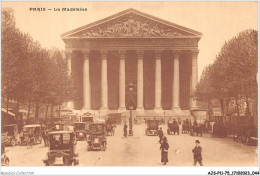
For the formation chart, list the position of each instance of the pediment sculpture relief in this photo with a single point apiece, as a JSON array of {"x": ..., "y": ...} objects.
[{"x": 130, "y": 27}]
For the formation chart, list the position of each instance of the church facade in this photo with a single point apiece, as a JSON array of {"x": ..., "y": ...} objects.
[{"x": 158, "y": 57}]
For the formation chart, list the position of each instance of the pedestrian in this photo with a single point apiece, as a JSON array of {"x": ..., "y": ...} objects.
[
  {"x": 125, "y": 130},
  {"x": 164, "y": 151},
  {"x": 197, "y": 153},
  {"x": 160, "y": 134}
]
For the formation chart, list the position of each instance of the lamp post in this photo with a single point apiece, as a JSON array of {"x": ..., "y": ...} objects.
[{"x": 131, "y": 105}]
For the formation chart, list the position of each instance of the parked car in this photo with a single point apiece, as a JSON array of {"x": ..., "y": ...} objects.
[
  {"x": 31, "y": 131},
  {"x": 13, "y": 136},
  {"x": 152, "y": 127},
  {"x": 173, "y": 127}
]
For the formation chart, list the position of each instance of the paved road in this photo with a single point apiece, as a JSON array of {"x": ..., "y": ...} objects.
[{"x": 141, "y": 150}]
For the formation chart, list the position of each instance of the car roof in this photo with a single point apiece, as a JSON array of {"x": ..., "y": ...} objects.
[
  {"x": 79, "y": 122},
  {"x": 11, "y": 125},
  {"x": 60, "y": 132},
  {"x": 33, "y": 125}
]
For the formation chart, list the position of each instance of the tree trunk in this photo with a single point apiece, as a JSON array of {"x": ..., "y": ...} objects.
[
  {"x": 221, "y": 101},
  {"x": 46, "y": 113},
  {"x": 209, "y": 110},
  {"x": 29, "y": 109},
  {"x": 59, "y": 111},
  {"x": 36, "y": 115},
  {"x": 7, "y": 109},
  {"x": 51, "y": 112}
]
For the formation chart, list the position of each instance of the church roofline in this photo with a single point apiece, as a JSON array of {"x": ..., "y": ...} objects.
[{"x": 131, "y": 10}]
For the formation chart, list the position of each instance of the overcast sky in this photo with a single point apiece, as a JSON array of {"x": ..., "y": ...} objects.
[{"x": 218, "y": 21}]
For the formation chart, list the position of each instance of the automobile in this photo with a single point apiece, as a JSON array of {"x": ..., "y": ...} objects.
[
  {"x": 110, "y": 126},
  {"x": 152, "y": 127},
  {"x": 59, "y": 126},
  {"x": 4, "y": 158},
  {"x": 62, "y": 149},
  {"x": 186, "y": 128},
  {"x": 80, "y": 130},
  {"x": 252, "y": 137},
  {"x": 35, "y": 130},
  {"x": 87, "y": 119},
  {"x": 173, "y": 127},
  {"x": 97, "y": 137},
  {"x": 198, "y": 129},
  {"x": 13, "y": 136}
]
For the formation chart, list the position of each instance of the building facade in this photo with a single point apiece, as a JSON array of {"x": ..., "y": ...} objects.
[{"x": 157, "y": 56}]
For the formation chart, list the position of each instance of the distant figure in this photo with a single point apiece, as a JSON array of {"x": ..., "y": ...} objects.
[
  {"x": 175, "y": 122},
  {"x": 164, "y": 151},
  {"x": 160, "y": 134},
  {"x": 125, "y": 130},
  {"x": 197, "y": 153},
  {"x": 195, "y": 123}
]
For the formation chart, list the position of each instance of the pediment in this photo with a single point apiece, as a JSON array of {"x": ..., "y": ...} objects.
[{"x": 131, "y": 24}]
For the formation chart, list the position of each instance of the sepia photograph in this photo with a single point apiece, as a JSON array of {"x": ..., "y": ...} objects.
[{"x": 147, "y": 83}]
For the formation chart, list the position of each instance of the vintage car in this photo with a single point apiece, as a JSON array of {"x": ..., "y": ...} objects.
[
  {"x": 198, "y": 129},
  {"x": 59, "y": 126},
  {"x": 219, "y": 129},
  {"x": 252, "y": 137},
  {"x": 13, "y": 136},
  {"x": 35, "y": 130},
  {"x": 186, "y": 127},
  {"x": 80, "y": 130},
  {"x": 246, "y": 134},
  {"x": 152, "y": 127},
  {"x": 173, "y": 127},
  {"x": 4, "y": 158},
  {"x": 88, "y": 120},
  {"x": 110, "y": 126},
  {"x": 97, "y": 137},
  {"x": 62, "y": 149}
]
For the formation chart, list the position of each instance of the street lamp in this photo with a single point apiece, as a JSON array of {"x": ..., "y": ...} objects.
[{"x": 131, "y": 105}]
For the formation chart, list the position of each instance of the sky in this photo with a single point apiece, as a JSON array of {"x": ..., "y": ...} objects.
[{"x": 218, "y": 21}]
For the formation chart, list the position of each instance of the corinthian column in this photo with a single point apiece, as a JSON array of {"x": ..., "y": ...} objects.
[
  {"x": 140, "y": 80},
  {"x": 86, "y": 82},
  {"x": 69, "y": 56},
  {"x": 122, "y": 80},
  {"x": 158, "y": 81},
  {"x": 194, "y": 76},
  {"x": 104, "y": 86},
  {"x": 176, "y": 81}
]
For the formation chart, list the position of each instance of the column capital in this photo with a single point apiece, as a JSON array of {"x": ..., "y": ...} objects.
[
  {"x": 122, "y": 54},
  {"x": 140, "y": 54},
  {"x": 158, "y": 54},
  {"x": 103, "y": 54},
  {"x": 194, "y": 53},
  {"x": 176, "y": 54},
  {"x": 85, "y": 53}
]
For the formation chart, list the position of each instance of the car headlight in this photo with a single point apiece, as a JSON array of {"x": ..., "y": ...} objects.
[{"x": 80, "y": 134}]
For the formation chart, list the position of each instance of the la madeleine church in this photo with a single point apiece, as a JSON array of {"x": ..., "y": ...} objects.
[{"x": 158, "y": 57}]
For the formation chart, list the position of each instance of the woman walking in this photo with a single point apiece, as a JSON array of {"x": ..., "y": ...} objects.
[{"x": 164, "y": 151}]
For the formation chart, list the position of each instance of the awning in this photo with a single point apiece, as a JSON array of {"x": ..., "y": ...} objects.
[{"x": 5, "y": 111}]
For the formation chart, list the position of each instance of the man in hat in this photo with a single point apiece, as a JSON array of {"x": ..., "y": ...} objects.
[
  {"x": 160, "y": 134},
  {"x": 197, "y": 153}
]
